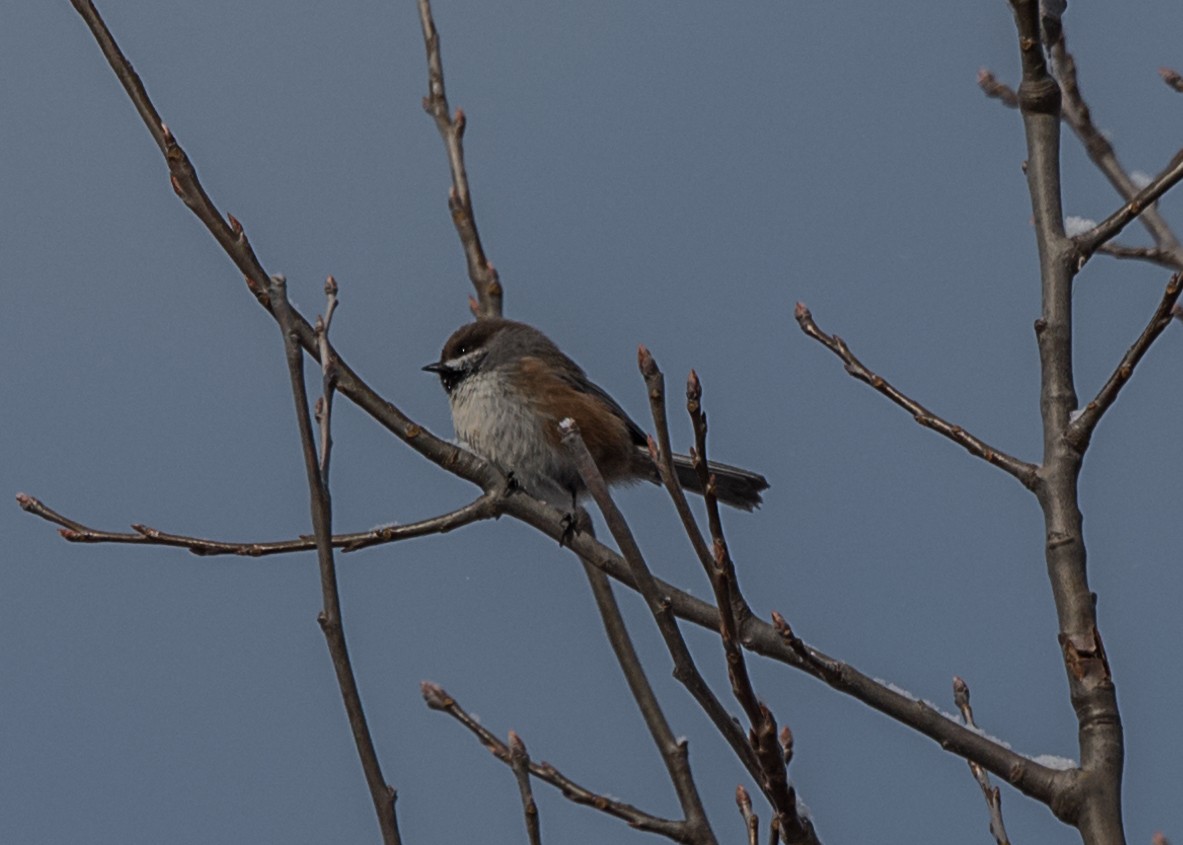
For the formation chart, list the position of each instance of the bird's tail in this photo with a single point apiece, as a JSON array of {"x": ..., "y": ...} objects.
[{"x": 733, "y": 486}]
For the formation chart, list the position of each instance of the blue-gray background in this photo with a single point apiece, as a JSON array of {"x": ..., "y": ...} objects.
[{"x": 673, "y": 174}]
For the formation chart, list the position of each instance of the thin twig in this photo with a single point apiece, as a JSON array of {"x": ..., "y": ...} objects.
[
  {"x": 519, "y": 761},
  {"x": 1026, "y": 473},
  {"x": 486, "y": 506},
  {"x": 996, "y": 90},
  {"x": 1081, "y": 429},
  {"x": 990, "y": 792},
  {"x": 484, "y": 278},
  {"x": 1153, "y": 254},
  {"x": 330, "y": 619},
  {"x": 438, "y": 699},
  {"x": 673, "y": 751}
]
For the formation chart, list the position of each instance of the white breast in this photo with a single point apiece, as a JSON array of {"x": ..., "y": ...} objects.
[{"x": 509, "y": 432}]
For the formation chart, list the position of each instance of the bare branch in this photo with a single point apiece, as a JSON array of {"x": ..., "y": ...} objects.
[
  {"x": 486, "y": 506},
  {"x": 438, "y": 699},
  {"x": 989, "y": 791},
  {"x": 330, "y": 619},
  {"x": 1081, "y": 429},
  {"x": 451, "y": 128},
  {"x": 1026, "y": 473}
]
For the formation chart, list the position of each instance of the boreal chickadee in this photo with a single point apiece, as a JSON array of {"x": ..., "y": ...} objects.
[{"x": 509, "y": 387}]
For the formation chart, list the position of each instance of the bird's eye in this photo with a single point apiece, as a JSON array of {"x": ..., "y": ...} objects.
[{"x": 463, "y": 350}]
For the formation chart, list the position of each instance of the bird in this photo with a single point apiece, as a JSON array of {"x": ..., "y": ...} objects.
[{"x": 509, "y": 386}]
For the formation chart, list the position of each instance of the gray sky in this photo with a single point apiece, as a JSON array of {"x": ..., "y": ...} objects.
[{"x": 673, "y": 174}]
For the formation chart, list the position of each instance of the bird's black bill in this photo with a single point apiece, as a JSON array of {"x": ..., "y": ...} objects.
[{"x": 449, "y": 375}]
